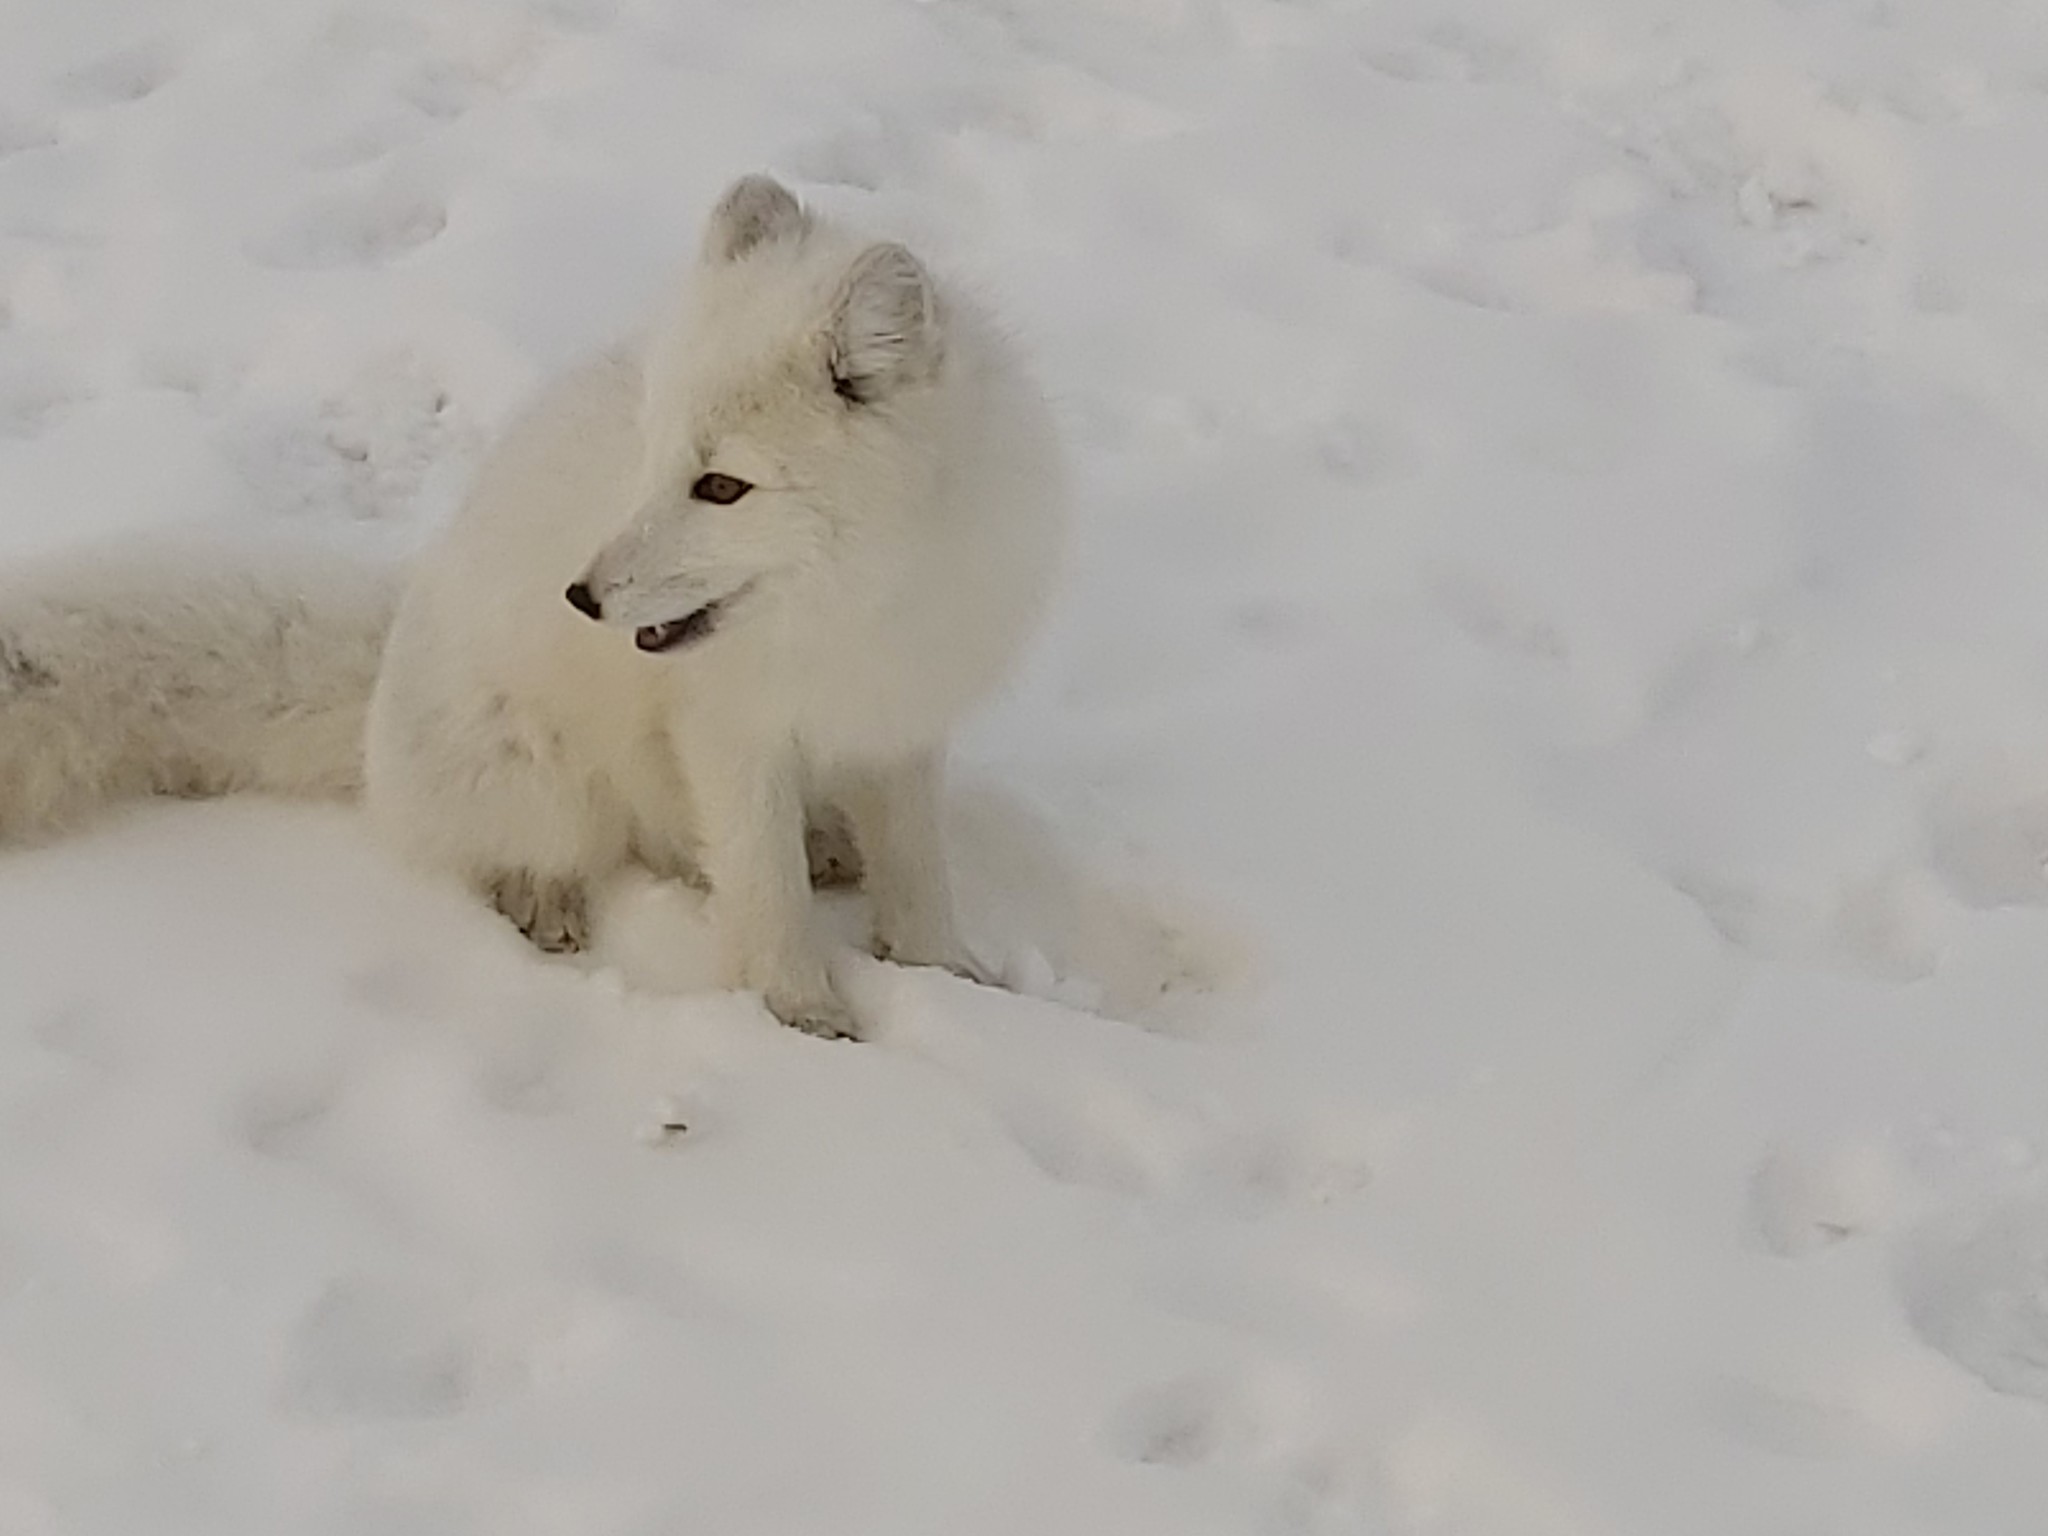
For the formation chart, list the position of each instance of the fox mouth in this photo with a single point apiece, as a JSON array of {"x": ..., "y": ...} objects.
[
  {"x": 691, "y": 627},
  {"x": 688, "y": 630}
]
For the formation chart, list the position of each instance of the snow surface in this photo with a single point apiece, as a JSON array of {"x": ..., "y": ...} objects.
[{"x": 1526, "y": 844}]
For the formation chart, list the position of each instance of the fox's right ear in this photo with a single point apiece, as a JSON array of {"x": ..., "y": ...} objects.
[
  {"x": 885, "y": 330},
  {"x": 754, "y": 211}
]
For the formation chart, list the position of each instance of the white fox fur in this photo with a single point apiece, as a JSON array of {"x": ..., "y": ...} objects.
[
  {"x": 188, "y": 666},
  {"x": 809, "y": 520}
]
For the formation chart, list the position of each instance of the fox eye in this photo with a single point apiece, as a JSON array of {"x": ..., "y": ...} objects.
[{"x": 719, "y": 490}]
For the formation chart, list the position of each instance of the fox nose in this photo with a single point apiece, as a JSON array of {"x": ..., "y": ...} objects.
[{"x": 580, "y": 598}]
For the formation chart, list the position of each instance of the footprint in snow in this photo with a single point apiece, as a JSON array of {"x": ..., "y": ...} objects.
[
  {"x": 355, "y": 229},
  {"x": 1446, "y": 55},
  {"x": 578, "y": 16},
  {"x": 377, "y": 1349},
  {"x": 32, "y": 399},
  {"x": 1789, "y": 1423},
  {"x": 1268, "y": 1434},
  {"x": 280, "y": 1119},
  {"x": 372, "y": 447},
  {"x": 82, "y": 1032},
  {"x": 1803, "y": 1199},
  {"x": 1890, "y": 923},
  {"x": 521, "y": 1071},
  {"x": 443, "y": 90},
  {"x": 1987, "y": 840},
  {"x": 20, "y": 134},
  {"x": 126, "y": 75},
  {"x": 1186, "y": 1423},
  {"x": 363, "y": 145},
  {"x": 1979, "y": 1294},
  {"x": 1105, "y": 1134},
  {"x": 1492, "y": 616}
]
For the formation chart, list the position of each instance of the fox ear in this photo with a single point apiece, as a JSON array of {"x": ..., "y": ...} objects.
[
  {"x": 885, "y": 326},
  {"x": 754, "y": 211}
]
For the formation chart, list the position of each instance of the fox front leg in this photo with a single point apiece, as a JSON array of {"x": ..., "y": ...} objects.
[
  {"x": 749, "y": 797},
  {"x": 895, "y": 813}
]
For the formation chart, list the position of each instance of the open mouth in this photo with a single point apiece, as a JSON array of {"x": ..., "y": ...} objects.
[{"x": 691, "y": 627}]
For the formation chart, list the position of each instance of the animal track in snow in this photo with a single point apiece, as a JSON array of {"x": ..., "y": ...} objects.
[
  {"x": 1889, "y": 924},
  {"x": 1803, "y": 1199},
  {"x": 126, "y": 75},
  {"x": 370, "y": 142},
  {"x": 1489, "y": 615},
  {"x": 1979, "y": 1294},
  {"x": 19, "y": 134},
  {"x": 280, "y": 1118},
  {"x": 1789, "y": 1423},
  {"x": 31, "y": 398},
  {"x": 369, "y": 449},
  {"x": 1448, "y": 54},
  {"x": 1109, "y": 1134},
  {"x": 1987, "y": 839},
  {"x": 81, "y": 1032},
  {"x": 372, "y": 1349},
  {"x": 355, "y": 229},
  {"x": 1364, "y": 449},
  {"x": 1262, "y": 1427},
  {"x": 1186, "y": 1423},
  {"x": 521, "y": 1074},
  {"x": 443, "y": 90},
  {"x": 484, "y": 61},
  {"x": 1147, "y": 1149},
  {"x": 579, "y": 16}
]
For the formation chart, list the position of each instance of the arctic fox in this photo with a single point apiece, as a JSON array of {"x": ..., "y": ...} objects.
[{"x": 726, "y": 585}]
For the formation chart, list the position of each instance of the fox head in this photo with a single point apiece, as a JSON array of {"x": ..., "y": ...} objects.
[{"x": 789, "y": 422}]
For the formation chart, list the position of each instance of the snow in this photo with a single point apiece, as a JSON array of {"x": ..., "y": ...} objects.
[{"x": 1524, "y": 850}]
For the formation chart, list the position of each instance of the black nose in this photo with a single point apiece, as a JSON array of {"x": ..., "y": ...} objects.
[{"x": 581, "y": 600}]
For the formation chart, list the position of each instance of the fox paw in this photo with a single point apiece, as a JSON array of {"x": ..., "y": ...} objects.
[
  {"x": 824, "y": 1016},
  {"x": 554, "y": 913},
  {"x": 829, "y": 849}
]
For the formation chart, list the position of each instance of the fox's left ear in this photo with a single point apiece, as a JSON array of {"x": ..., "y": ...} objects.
[
  {"x": 885, "y": 330},
  {"x": 754, "y": 211}
]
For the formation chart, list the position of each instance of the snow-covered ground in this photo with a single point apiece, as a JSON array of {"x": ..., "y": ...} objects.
[{"x": 1523, "y": 849}]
